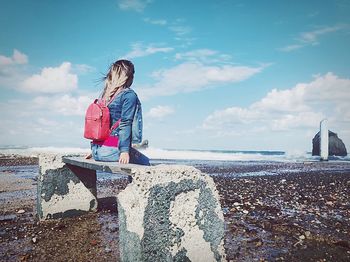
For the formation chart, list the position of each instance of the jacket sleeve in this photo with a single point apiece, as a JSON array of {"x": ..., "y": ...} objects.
[{"x": 129, "y": 101}]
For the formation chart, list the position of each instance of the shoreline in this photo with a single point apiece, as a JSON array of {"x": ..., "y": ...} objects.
[
  {"x": 302, "y": 213},
  {"x": 17, "y": 160}
]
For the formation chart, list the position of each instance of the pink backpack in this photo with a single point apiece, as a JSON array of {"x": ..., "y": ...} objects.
[{"x": 97, "y": 121}]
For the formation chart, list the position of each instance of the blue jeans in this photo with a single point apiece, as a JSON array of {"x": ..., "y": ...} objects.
[{"x": 111, "y": 154}]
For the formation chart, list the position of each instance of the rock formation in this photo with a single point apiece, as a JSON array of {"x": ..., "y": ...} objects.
[
  {"x": 142, "y": 145},
  {"x": 336, "y": 146}
]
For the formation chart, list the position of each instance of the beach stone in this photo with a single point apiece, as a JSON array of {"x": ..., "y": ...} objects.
[
  {"x": 64, "y": 190},
  {"x": 307, "y": 233},
  {"x": 170, "y": 213},
  {"x": 7, "y": 218},
  {"x": 3, "y": 233},
  {"x": 336, "y": 146}
]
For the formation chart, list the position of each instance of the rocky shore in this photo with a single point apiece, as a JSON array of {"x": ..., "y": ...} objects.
[
  {"x": 295, "y": 216},
  {"x": 273, "y": 212},
  {"x": 17, "y": 160}
]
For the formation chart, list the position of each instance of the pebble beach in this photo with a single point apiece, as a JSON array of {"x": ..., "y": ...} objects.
[{"x": 274, "y": 211}]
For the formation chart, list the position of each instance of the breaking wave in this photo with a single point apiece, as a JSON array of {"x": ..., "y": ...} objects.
[{"x": 171, "y": 154}]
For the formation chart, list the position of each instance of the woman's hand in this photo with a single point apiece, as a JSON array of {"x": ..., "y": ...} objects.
[
  {"x": 124, "y": 158},
  {"x": 88, "y": 156}
]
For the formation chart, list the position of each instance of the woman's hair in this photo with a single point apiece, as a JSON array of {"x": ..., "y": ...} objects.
[{"x": 120, "y": 76}]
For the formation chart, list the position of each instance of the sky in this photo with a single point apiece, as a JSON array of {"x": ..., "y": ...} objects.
[{"x": 233, "y": 75}]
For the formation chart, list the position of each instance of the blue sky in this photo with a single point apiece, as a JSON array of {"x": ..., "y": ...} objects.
[{"x": 240, "y": 75}]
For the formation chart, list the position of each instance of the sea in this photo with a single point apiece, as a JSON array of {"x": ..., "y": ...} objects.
[{"x": 180, "y": 155}]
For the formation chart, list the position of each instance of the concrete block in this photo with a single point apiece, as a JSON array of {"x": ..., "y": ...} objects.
[
  {"x": 170, "y": 213},
  {"x": 64, "y": 190}
]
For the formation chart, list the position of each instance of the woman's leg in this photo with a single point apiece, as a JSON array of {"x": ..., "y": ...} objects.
[
  {"x": 137, "y": 157},
  {"x": 105, "y": 153},
  {"x": 111, "y": 154}
]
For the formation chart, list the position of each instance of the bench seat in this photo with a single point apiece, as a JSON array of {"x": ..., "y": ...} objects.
[{"x": 167, "y": 212}]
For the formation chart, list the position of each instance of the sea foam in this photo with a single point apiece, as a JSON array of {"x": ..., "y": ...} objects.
[{"x": 171, "y": 154}]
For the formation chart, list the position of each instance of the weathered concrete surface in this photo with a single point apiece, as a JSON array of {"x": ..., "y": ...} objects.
[
  {"x": 170, "y": 213},
  {"x": 111, "y": 167},
  {"x": 64, "y": 190}
]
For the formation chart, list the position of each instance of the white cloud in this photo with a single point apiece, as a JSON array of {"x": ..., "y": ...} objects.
[
  {"x": 64, "y": 104},
  {"x": 155, "y": 21},
  {"x": 230, "y": 117},
  {"x": 180, "y": 30},
  {"x": 196, "y": 53},
  {"x": 48, "y": 120},
  {"x": 52, "y": 80},
  {"x": 189, "y": 77},
  {"x": 42, "y": 115},
  {"x": 312, "y": 37},
  {"x": 290, "y": 48},
  {"x": 301, "y": 107},
  {"x": 58, "y": 104},
  {"x": 203, "y": 55},
  {"x": 303, "y": 120},
  {"x": 160, "y": 112},
  {"x": 134, "y": 5},
  {"x": 82, "y": 68},
  {"x": 17, "y": 58},
  {"x": 289, "y": 100},
  {"x": 12, "y": 69},
  {"x": 138, "y": 50},
  {"x": 43, "y": 131},
  {"x": 14, "y": 74}
]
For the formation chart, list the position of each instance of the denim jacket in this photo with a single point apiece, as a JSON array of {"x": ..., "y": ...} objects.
[{"x": 127, "y": 107}]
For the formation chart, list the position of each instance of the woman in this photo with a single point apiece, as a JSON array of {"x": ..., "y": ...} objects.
[{"x": 125, "y": 108}]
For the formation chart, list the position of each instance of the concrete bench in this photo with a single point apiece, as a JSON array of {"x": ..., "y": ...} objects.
[
  {"x": 167, "y": 212},
  {"x": 67, "y": 185}
]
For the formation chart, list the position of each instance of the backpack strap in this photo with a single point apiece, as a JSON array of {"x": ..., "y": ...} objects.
[{"x": 116, "y": 124}]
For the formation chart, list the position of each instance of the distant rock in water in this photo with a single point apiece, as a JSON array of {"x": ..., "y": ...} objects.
[
  {"x": 142, "y": 145},
  {"x": 336, "y": 146}
]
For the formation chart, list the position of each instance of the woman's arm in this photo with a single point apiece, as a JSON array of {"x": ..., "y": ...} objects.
[{"x": 129, "y": 100}]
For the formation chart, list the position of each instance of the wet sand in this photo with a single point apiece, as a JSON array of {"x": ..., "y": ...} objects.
[{"x": 285, "y": 212}]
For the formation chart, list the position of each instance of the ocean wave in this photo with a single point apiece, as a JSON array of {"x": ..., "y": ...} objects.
[
  {"x": 156, "y": 153},
  {"x": 33, "y": 151},
  {"x": 234, "y": 155},
  {"x": 171, "y": 154}
]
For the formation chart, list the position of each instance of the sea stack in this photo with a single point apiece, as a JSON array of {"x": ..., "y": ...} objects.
[{"x": 334, "y": 145}]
